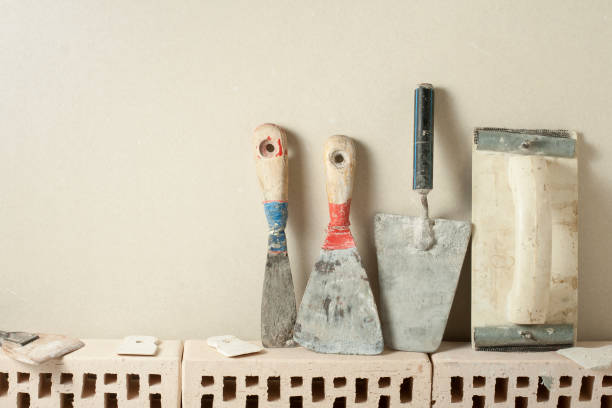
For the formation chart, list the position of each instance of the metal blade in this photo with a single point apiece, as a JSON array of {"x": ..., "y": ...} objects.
[
  {"x": 21, "y": 338},
  {"x": 338, "y": 313},
  {"x": 278, "y": 303},
  {"x": 417, "y": 287}
]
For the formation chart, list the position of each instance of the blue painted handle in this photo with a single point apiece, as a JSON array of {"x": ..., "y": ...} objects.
[
  {"x": 276, "y": 214},
  {"x": 422, "y": 172}
]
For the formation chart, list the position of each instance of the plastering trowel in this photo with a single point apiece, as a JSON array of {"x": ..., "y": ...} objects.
[
  {"x": 419, "y": 258},
  {"x": 525, "y": 246}
]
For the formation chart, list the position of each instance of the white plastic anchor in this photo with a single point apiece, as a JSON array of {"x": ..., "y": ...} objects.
[
  {"x": 232, "y": 346},
  {"x": 138, "y": 346}
]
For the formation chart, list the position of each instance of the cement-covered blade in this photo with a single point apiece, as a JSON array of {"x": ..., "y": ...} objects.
[
  {"x": 338, "y": 313},
  {"x": 278, "y": 302},
  {"x": 417, "y": 287}
]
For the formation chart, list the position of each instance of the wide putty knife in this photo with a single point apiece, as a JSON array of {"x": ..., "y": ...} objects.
[
  {"x": 338, "y": 313},
  {"x": 419, "y": 259},
  {"x": 278, "y": 298}
]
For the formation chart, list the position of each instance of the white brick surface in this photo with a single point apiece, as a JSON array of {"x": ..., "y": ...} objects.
[
  {"x": 463, "y": 377},
  {"x": 94, "y": 376},
  {"x": 297, "y": 377}
]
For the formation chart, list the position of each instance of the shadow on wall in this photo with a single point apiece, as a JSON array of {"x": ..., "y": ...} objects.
[
  {"x": 450, "y": 142},
  {"x": 300, "y": 265},
  {"x": 362, "y": 214},
  {"x": 593, "y": 247}
]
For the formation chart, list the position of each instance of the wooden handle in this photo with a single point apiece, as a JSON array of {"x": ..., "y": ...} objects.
[
  {"x": 339, "y": 158},
  {"x": 530, "y": 292},
  {"x": 270, "y": 145}
]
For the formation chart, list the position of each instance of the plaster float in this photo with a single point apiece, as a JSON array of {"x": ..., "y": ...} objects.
[
  {"x": 278, "y": 308},
  {"x": 525, "y": 244},
  {"x": 338, "y": 313},
  {"x": 419, "y": 258}
]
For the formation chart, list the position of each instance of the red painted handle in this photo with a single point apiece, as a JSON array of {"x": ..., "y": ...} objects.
[{"x": 339, "y": 159}]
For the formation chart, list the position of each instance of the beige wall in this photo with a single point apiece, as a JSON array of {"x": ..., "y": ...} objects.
[{"x": 128, "y": 196}]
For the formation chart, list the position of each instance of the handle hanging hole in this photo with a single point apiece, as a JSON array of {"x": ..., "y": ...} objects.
[
  {"x": 267, "y": 148},
  {"x": 338, "y": 159}
]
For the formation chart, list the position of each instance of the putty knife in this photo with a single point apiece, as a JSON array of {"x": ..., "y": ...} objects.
[
  {"x": 338, "y": 313},
  {"x": 37, "y": 348},
  {"x": 419, "y": 259},
  {"x": 278, "y": 298}
]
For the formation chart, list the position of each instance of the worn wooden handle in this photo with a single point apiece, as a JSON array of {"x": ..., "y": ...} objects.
[
  {"x": 530, "y": 292},
  {"x": 339, "y": 158},
  {"x": 270, "y": 146}
]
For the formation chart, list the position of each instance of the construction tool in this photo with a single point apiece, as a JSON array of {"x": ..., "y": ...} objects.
[
  {"x": 338, "y": 313},
  {"x": 37, "y": 348},
  {"x": 419, "y": 258},
  {"x": 525, "y": 247},
  {"x": 278, "y": 298}
]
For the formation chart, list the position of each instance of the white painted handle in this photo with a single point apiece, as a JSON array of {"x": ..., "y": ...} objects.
[
  {"x": 339, "y": 158},
  {"x": 530, "y": 292},
  {"x": 270, "y": 144}
]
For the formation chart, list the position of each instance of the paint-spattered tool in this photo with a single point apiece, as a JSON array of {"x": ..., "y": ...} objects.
[
  {"x": 338, "y": 313},
  {"x": 525, "y": 247},
  {"x": 419, "y": 258},
  {"x": 37, "y": 348},
  {"x": 278, "y": 309}
]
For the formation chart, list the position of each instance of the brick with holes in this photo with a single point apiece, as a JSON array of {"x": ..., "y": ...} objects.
[
  {"x": 299, "y": 378},
  {"x": 463, "y": 377},
  {"x": 95, "y": 376}
]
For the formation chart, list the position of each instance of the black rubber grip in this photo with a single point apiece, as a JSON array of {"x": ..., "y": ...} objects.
[{"x": 422, "y": 172}]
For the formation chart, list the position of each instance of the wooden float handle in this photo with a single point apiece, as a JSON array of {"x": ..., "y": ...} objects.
[{"x": 528, "y": 298}]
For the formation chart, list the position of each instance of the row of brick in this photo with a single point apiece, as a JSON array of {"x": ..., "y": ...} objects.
[{"x": 455, "y": 376}]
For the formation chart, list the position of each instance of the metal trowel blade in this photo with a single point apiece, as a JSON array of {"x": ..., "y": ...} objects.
[
  {"x": 338, "y": 313},
  {"x": 278, "y": 302},
  {"x": 417, "y": 287}
]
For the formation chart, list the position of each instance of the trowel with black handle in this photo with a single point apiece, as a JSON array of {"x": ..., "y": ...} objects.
[
  {"x": 278, "y": 298},
  {"x": 419, "y": 258},
  {"x": 338, "y": 313}
]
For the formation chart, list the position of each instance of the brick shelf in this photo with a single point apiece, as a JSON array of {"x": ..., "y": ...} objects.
[
  {"x": 463, "y": 377},
  {"x": 296, "y": 378},
  {"x": 94, "y": 376}
]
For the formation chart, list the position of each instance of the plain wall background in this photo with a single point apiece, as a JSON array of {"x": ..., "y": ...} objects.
[{"x": 128, "y": 197}]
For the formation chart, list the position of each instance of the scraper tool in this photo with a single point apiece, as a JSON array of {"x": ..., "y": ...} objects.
[
  {"x": 338, "y": 313},
  {"x": 278, "y": 297},
  {"x": 37, "y": 348}
]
